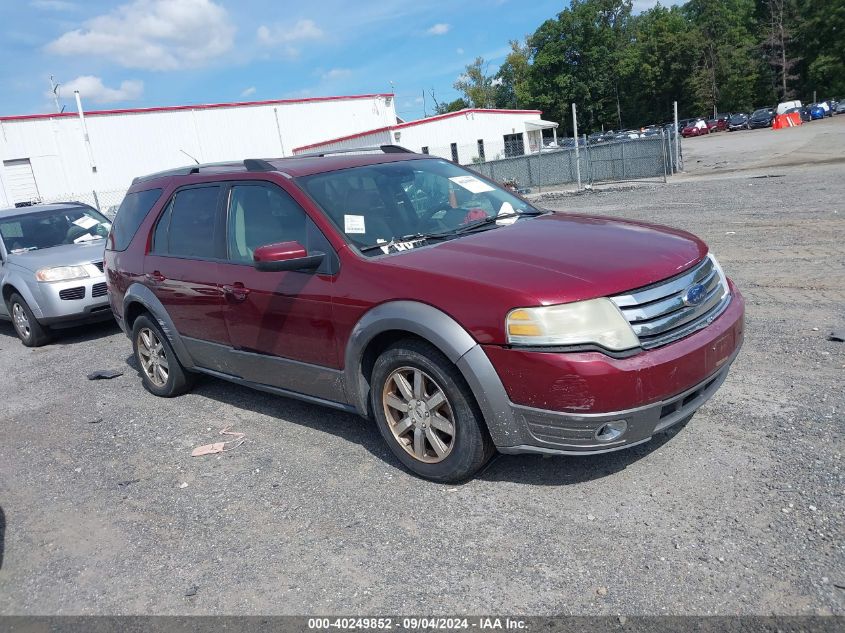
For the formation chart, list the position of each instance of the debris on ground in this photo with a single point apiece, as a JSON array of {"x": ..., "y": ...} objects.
[
  {"x": 837, "y": 335},
  {"x": 128, "y": 482},
  {"x": 601, "y": 591},
  {"x": 192, "y": 591},
  {"x": 95, "y": 421},
  {"x": 220, "y": 447},
  {"x": 184, "y": 484},
  {"x": 104, "y": 374}
]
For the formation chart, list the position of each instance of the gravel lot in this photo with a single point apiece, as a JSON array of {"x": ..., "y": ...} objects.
[{"x": 739, "y": 512}]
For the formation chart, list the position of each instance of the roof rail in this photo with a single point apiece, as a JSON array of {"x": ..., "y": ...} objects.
[
  {"x": 250, "y": 164},
  {"x": 387, "y": 149}
]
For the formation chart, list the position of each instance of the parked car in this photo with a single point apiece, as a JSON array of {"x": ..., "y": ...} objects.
[
  {"x": 826, "y": 107},
  {"x": 816, "y": 112},
  {"x": 717, "y": 125},
  {"x": 51, "y": 268},
  {"x": 840, "y": 107},
  {"x": 696, "y": 128},
  {"x": 408, "y": 289},
  {"x": 764, "y": 117},
  {"x": 802, "y": 112},
  {"x": 738, "y": 121}
]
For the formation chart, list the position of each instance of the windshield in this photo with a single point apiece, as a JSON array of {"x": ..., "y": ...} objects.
[
  {"x": 759, "y": 113},
  {"x": 38, "y": 230},
  {"x": 405, "y": 204}
]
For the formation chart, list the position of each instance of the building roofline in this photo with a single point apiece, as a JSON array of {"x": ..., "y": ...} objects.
[
  {"x": 401, "y": 126},
  {"x": 199, "y": 106}
]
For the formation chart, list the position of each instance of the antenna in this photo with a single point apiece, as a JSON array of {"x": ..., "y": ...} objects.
[
  {"x": 54, "y": 88},
  {"x": 189, "y": 156}
]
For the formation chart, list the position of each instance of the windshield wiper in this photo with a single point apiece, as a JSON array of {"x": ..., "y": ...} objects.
[
  {"x": 451, "y": 233},
  {"x": 415, "y": 237},
  {"x": 467, "y": 228}
]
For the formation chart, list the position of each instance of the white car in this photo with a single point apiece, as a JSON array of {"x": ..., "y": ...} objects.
[{"x": 788, "y": 105}]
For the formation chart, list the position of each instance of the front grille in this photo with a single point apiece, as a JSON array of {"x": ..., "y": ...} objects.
[
  {"x": 99, "y": 266},
  {"x": 659, "y": 314},
  {"x": 99, "y": 290},
  {"x": 71, "y": 294}
]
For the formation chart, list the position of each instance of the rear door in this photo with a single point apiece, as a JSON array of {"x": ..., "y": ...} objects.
[
  {"x": 279, "y": 323},
  {"x": 181, "y": 269}
]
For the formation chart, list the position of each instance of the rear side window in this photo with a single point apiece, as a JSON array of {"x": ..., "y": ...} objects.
[
  {"x": 130, "y": 215},
  {"x": 190, "y": 224}
]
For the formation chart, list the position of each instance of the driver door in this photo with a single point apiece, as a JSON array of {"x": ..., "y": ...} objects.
[{"x": 280, "y": 323}]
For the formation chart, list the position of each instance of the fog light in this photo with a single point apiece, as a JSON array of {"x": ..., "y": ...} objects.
[{"x": 611, "y": 431}]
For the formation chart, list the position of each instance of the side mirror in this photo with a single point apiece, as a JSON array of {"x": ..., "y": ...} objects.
[{"x": 285, "y": 256}]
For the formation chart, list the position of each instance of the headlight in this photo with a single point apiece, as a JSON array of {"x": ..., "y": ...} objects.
[
  {"x": 596, "y": 321},
  {"x": 61, "y": 273},
  {"x": 725, "y": 287}
]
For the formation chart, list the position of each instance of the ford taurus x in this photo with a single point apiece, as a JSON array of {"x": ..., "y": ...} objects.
[{"x": 412, "y": 291}]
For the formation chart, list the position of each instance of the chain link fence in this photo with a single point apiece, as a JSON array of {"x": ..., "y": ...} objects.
[
  {"x": 656, "y": 156},
  {"x": 106, "y": 202}
]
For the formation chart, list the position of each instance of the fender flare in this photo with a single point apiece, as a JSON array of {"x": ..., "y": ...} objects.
[
  {"x": 139, "y": 293},
  {"x": 447, "y": 335},
  {"x": 17, "y": 281}
]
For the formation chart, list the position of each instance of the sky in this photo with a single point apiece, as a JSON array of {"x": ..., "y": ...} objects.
[{"x": 144, "y": 53}]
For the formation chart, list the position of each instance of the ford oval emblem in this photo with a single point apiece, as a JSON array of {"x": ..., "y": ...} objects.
[{"x": 695, "y": 295}]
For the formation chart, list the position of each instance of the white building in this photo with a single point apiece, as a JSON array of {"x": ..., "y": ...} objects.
[
  {"x": 464, "y": 136},
  {"x": 45, "y": 156}
]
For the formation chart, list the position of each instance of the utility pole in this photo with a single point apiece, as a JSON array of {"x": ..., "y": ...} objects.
[
  {"x": 575, "y": 136},
  {"x": 54, "y": 88},
  {"x": 87, "y": 140}
]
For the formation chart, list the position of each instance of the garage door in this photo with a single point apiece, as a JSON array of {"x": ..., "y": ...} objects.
[{"x": 20, "y": 180}]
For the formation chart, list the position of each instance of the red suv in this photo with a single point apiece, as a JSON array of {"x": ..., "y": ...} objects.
[{"x": 410, "y": 290}]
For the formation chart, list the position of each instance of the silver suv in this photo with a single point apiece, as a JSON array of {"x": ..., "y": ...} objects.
[{"x": 51, "y": 268}]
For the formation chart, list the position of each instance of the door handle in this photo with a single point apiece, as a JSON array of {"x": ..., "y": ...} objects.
[
  {"x": 237, "y": 291},
  {"x": 155, "y": 277}
]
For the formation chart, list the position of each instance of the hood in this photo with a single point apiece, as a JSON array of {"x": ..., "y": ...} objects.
[
  {"x": 559, "y": 258},
  {"x": 64, "y": 255}
]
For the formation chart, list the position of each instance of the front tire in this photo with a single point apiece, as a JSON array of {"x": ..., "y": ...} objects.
[
  {"x": 427, "y": 414},
  {"x": 29, "y": 330},
  {"x": 161, "y": 372}
]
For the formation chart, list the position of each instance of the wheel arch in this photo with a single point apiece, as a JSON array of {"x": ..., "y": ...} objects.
[
  {"x": 15, "y": 284},
  {"x": 139, "y": 299},
  {"x": 393, "y": 321}
]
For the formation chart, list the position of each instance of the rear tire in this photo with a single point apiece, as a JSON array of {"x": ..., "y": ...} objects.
[
  {"x": 29, "y": 330},
  {"x": 427, "y": 413},
  {"x": 161, "y": 372}
]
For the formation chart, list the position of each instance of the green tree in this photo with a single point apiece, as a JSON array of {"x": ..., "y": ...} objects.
[
  {"x": 511, "y": 82},
  {"x": 576, "y": 58},
  {"x": 821, "y": 46},
  {"x": 452, "y": 106},
  {"x": 728, "y": 68},
  {"x": 656, "y": 64},
  {"x": 476, "y": 85}
]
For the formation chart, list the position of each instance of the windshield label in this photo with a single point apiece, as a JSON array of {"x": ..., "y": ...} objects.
[
  {"x": 86, "y": 222},
  {"x": 395, "y": 247},
  {"x": 471, "y": 184},
  {"x": 354, "y": 224}
]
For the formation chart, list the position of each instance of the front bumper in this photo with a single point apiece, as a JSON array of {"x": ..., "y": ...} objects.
[
  {"x": 556, "y": 402},
  {"x": 555, "y": 433},
  {"x": 72, "y": 302}
]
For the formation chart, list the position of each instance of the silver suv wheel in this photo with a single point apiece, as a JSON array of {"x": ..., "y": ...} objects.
[
  {"x": 152, "y": 357},
  {"x": 21, "y": 321},
  {"x": 419, "y": 414}
]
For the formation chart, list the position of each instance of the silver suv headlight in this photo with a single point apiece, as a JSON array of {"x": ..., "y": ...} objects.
[
  {"x": 596, "y": 321},
  {"x": 61, "y": 273}
]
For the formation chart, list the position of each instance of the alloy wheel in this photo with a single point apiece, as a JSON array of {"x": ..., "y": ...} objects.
[
  {"x": 419, "y": 414},
  {"x": 21, "y": 321},
  {"x": 152, "y": 356}
]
